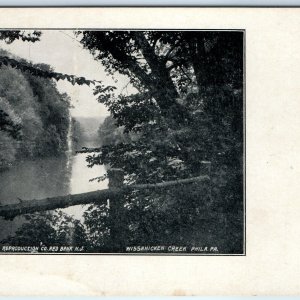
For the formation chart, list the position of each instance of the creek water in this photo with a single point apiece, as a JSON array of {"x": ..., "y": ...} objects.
[{"x": 47, "y": 177}]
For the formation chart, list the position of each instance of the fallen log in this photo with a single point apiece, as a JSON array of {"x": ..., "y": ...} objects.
[{"x": 10, "y": 211}]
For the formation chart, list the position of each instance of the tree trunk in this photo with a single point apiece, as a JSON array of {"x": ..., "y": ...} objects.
[{"x": 10, "y": 211}]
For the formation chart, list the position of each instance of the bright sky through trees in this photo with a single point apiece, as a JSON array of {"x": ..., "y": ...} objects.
[{"x": 61, "y": 50}]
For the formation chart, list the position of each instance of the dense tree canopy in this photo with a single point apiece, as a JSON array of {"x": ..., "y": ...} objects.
[
  {"x": 188, "y": 108},
  {"x": 189, "y": 89}
]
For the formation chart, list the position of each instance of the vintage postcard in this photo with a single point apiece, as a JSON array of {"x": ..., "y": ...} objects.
[
  {"x": 139, "y": 140},
  {"x": 127, "y": 139}
]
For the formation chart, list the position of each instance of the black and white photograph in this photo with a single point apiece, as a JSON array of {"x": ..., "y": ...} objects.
[{"x": 122, "y": 142}]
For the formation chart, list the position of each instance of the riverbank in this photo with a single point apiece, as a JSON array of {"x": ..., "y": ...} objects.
[{"x": 47, "y": 177}]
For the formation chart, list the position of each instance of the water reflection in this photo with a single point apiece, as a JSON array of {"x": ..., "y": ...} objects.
[
  {"x": 44, "y": 178},
  {"x": 80, "y": 182},
  {"x": 35, "y": 179}
]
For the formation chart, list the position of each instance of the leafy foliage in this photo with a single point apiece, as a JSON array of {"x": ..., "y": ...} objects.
[
  {"x": 34, "y": 116},
  {"x": 6, "y": 124},
  {"x": 111, "y": 134},
  {"x": 54, "y": 228},
  {"x": 188, "y": 108},
  {"x": 10, "y": 36},
  {"x": 40, "y": 72}
]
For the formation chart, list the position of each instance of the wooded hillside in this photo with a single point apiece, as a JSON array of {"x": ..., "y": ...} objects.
[{"x": 34, "y": 116}]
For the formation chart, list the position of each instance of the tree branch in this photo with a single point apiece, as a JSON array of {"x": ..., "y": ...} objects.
[
  {"x": 10, "y": 211},
  {"x": 167, "y": 56},
  {"x": 33, "y": 70}
]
